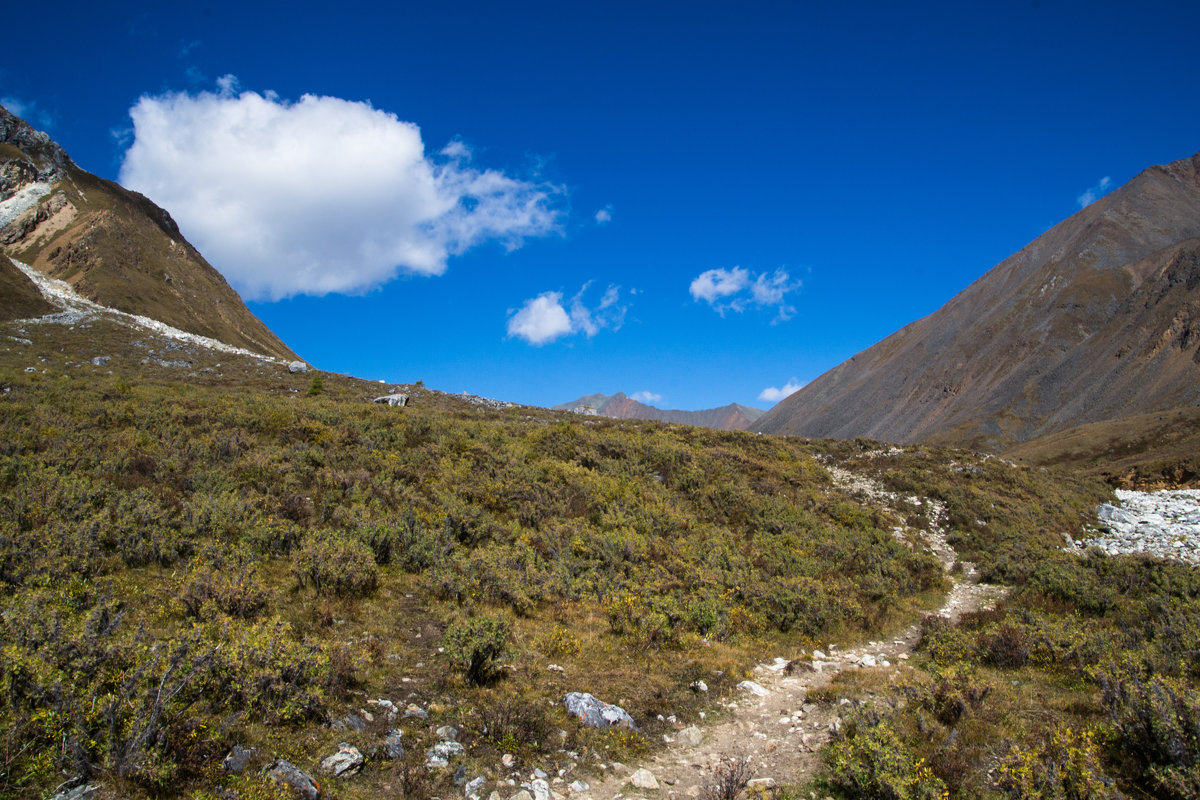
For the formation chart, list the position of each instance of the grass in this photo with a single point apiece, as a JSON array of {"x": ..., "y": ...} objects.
[{"x": 274, "y": 559}]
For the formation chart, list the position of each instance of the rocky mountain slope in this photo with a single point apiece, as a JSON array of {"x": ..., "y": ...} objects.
[
  {"x": 113, "y": 246},
  {"x": 1097, "y": 319},
  {"x": 733, "y": 417}
]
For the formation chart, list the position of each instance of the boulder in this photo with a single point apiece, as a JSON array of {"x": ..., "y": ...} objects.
[
  {"x": 541, "y": 789},
  {"x": 690, "y": 736},
  {"x": 474, "y": 785},
  {"x": 101, "y": 361},
  {"x": 396, "y": 400},
  {"x": 345, "y": 762},
  {"x": 237, "y": 759},
  {"x": 288, "y": 774},
  {"x": 297, "y": 367},
  {"x": 754, "y": 688},
  {"x": 596, "y": 713},
  {"x": 447, "y": 733}
]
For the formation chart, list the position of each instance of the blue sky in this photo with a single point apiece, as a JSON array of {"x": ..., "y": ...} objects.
[{"x": 694, "y": 201}]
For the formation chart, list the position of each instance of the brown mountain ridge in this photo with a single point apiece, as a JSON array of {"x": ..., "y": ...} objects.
[
  {"x": 113, "y": 246},
  {"x": 1097, "y": 319}
]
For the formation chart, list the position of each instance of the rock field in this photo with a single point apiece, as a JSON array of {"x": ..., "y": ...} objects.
[{"x": 1164, "y": 524}]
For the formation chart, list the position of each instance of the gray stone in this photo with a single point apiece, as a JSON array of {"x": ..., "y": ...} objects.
[
  {"x": 237, "y": 759},
  {"x": 541, "y": 789},
  {"x": 596, "y": 713},
  {"x": 690, "y": 736},
  {"x": 101, "y": 361},
  {"x": 345, "y": 762},
  {"x": 392, "y": 745},
  {"x": 297, "y": 367},
  {"x": 416, "y": 711},
  {"x": 699, "y": 686},
  {"x": 460, "y": 775},
  {"x": 288, "y": 774},
  {"x": 83, "y": 791},
  {"x": 445, "y": 750},
  {"x": 447, "y": 733},
  {"x": 350, "y": 721},
  {"x": 521, "y": 795},
  {"x": 474, "y": 785},
  {"x": 395, "y": 400},
  {"x": 578, "y": 787}
]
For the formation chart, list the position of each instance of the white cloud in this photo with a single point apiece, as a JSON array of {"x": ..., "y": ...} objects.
[
  {"x": 604, "y": 215},
  {"x": 1093, "y": 194},
  {"x": 736, "y": 290},
  {"x": 649, "y": 398},
  {"x": 773, "y": 395},
  {"x": 545, "y": 318},
  {"x": 320, "y": 195},
  {"x": 542, "y": 319}
]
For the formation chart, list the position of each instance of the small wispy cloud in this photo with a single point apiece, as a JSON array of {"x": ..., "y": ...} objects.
[
  {"x": 604, "y": 215},
  {"x": 547, "y": 317},
  {"x": 28, "y": 111},
  {"x": 1091, "y": 195},
  {"x": 737, "y": 289},
  {"x": 774, "y": 394},
  {"x": 649, "y": 398}
]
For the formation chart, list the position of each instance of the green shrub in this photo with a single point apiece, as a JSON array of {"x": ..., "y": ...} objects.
[
  {"x": 1064, "y": 766},
  {"x": 870, "y": 760},
  {"x": 475, "y": 645},
  {"x": 336, "y": 563},
  {"x": 1157, "y": 720}
]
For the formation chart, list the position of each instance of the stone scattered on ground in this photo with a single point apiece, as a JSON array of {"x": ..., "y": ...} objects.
[
  {"x": 447, "y": 733},
  {"x": 345, "y": 762},
  {"x": 690, "y": 736},
  {"x": 393, "y": 746},
  {"x": 288, "y": 774},
  {"x": 237, "y": 759},
  {"x": 83, "y": 791},
  {"x": 596, "y": 713},
  {"x": 643, "y": 779},
  {"x": 297, "y": 367},
  {"x": 753, "y": 688},
  {"x": 1164, "y": 524},
  {"x": 474, "y": 785}
]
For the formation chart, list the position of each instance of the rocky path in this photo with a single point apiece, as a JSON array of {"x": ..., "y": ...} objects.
[{"x": 772, "y": 723}]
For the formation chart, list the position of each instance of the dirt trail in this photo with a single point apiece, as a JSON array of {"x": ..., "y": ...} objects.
[{"x": 775, "y": 726}]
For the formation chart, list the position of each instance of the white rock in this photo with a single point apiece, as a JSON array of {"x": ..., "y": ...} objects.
[
  {"x": 643, "y": 779},
  {"x": 690, "y": 736},
  {"x": 754, "y": 688}
]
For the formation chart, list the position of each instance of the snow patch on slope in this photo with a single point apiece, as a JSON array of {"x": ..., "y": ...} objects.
[{"x": 77, "y": 308}]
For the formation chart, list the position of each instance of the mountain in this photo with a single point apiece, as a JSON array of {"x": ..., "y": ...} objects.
[
  {"x": 1097, "y": 319},
  {"x": 733, "y": 417},
  {"x": 113, "y": 246}
]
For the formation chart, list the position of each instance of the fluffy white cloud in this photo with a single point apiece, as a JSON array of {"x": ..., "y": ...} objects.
[
  {"x": 736, "y": 290},
  {"x": 1093, "y": 194},
  {"x": 545, "y": 318},
  {"x": 320, "y": 195},
  {"x": 649, "y": 398},
  {"x": 604, "y": 215},
  {"x": 773, "y": 395},
  {"x": 542, "y": 319}
]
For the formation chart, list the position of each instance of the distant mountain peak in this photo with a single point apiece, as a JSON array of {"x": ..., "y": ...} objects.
[{"x": 733, "y": 417}]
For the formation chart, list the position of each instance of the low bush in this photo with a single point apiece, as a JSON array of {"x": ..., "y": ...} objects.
[
  {"x": 870, "y": 760},
  {"x": 336, "y": 563},
  {"x": 475, "y": 645}
]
